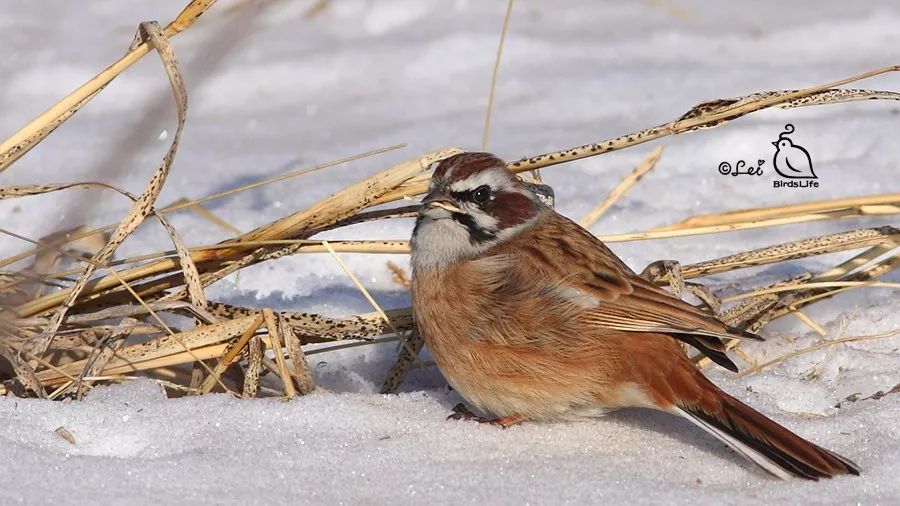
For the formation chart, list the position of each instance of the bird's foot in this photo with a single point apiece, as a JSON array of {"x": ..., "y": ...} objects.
[{"x": 461, "y": 412}]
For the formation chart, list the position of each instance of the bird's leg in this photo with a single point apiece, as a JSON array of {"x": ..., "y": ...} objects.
[
  {"x": 461, "y": 412},
  {"x": 509, "y": 421}
]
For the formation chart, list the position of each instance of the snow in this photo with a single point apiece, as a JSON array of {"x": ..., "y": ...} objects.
[
  {"x": 133, "y": 445},
  {"x": 270, "y": 90}
]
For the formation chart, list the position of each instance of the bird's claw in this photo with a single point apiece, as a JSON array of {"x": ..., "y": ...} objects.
[{"x": 461, "y": 412}]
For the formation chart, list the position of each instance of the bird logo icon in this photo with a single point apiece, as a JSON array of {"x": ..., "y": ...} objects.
[{"x": 792, "y": 161}]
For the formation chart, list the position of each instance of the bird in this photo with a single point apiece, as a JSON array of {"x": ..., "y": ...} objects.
[
  {"x": 530, "y": 317},
  {"x": 792, "y": 161}
]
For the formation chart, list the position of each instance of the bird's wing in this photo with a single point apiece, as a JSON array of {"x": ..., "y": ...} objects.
[
  {"x": 787, "y": 160},
  {"x": 801, "y": 163},
  {"x": 578, "y": 267}
]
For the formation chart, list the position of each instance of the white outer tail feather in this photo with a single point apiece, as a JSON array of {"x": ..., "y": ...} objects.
[{"x": 746, "y": 451}]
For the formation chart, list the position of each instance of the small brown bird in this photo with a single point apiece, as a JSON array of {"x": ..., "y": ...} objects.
[{"x": 530, "y": 317}]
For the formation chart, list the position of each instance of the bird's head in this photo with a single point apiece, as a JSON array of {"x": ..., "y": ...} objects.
[
  {"x": 473, "y": 203},
  {"x": 782, "y": 143}
]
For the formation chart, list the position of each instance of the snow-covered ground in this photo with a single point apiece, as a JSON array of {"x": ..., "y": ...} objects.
[{"x": 270, "y": 90}]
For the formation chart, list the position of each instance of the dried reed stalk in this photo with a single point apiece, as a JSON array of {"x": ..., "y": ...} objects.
[
  {"x": 709, "y": 114},
  {"x": 857, "y": 204},
  {"x": 151, "y": 35},
  {"x": 34, "y": 132},
  {"x": 493, "y": 88},
  {"x": 620, "y": 189}
]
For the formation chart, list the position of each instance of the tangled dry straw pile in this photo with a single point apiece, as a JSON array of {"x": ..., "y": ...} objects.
[{"x": 108, "y": 319}]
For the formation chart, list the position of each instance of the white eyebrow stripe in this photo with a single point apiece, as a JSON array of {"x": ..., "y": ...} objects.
[{"x": 487, "y": 177}]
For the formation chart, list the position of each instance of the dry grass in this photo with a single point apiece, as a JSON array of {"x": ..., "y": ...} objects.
[
  {"x": 493, "y": 88},
  {"x": 63, "y": 330}
]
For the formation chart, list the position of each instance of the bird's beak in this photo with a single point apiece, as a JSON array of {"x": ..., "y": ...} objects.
[
  {"x": 435, "y": 199},
  {"x": 775, "y": 144}
]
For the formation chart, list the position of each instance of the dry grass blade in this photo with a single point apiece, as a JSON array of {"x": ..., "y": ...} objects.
[
  {"x": 152, "y": 34},
  {"x": 718, "y": 229},
  {"x": 493, "y": 88},
  {"x": 387, "y": 247},
  {"x": 322, "y": 214},
  {"x": 809, "y": 322},
  {"x": 754, "y": 312},
  {"x": 278, "y": 350},
  {"x": 301, "y": 171},
  {"x": 182, "y": 204},
  {"x": 706, "y": 115},
  {"x": 827, "y": 343},
  {"x": 255, "y": 353},
  {"x": 188, "y": 267},
  {"x": 344, "y": 346},
  {"x": 123, "y": 311},
  {"x": 136, "y": 357},
  {"x": 622, "y": 188},
  {"x": 103, "y": 352},
  {"x": 24, "y": 372},
  {"x": 404, "y": 341},
  {"x": 803, "y": 248},
  {"x": 163, "y": 324},
  {"x": 188, "y": 16},
  {"x": 793, "y": 300},
  {"x": 398, "y": 275},
  {"x": 776, "y": 215},
  {"x": 846, "y": 240},
  {"x": 859, "y": 261},
  {"x": 211, "y": 217},
  {"x": 195, "y": 355},
  {"x": 347, "y": 202},
  {"x": 34, "y": 132},
  {"x": 302, "y": 373},
  {"x": 409, "y": 355},
  {"x": 764, "y": 213},
  {"x": 231, "y": 353},
  {"x": 315, "y": 328},
  {"x": 810, "y": 286},
  {"x": 303, "y": 246},
  {"x": 359, "y": 286},
  {"x": 824, "y": 97},
  {"x": 9, "y": 192}
]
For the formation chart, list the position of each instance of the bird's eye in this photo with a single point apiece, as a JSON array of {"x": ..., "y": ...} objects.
[{"x": 481, "y": 194}]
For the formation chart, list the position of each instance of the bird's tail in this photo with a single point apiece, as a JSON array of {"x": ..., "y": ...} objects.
[{"x": 764, "y": 442}]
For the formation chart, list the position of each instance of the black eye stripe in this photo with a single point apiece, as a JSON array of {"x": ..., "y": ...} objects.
[{"x": 478, "y": 195}]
